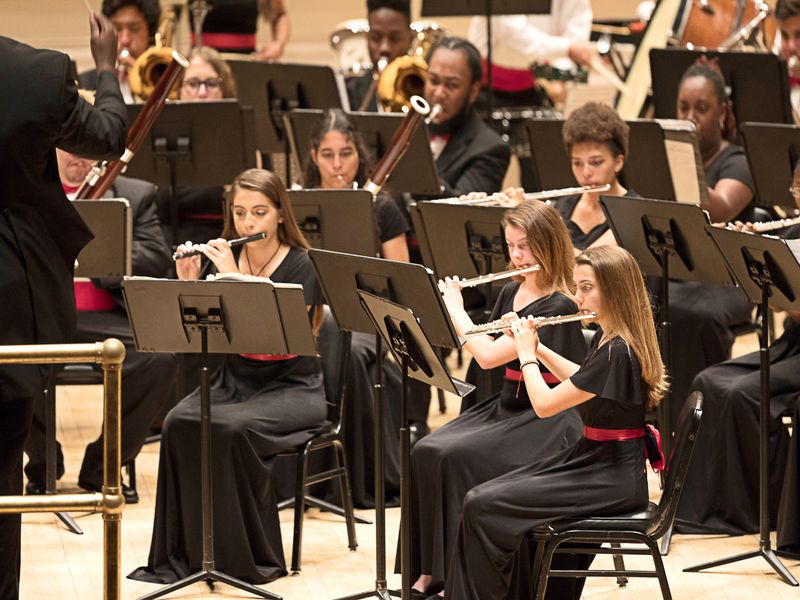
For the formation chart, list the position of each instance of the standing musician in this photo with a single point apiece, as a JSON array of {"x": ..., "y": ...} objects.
[
  {"x": 787, "y": 45},
  {"x": 207, "y": 78},
  {"x": 339, "y": 159},
  {"x": 136, "y": 23},
  {"x": 721, "y": 491},
  {"x": 40, "y": 233},
  {"x": 389, "y": 37},
  {"x": 146, "y": 376},
  {"x": 263, "y": 404},
  {"x": 500, "y": 433},
  {"x": 231, "y": 26},
  {"x": 604, "y": 472}
]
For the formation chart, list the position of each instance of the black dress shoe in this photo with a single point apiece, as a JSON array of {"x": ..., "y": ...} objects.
[
  {"x": 34, "y": 488},
  {"x": 131, "y": 495}
]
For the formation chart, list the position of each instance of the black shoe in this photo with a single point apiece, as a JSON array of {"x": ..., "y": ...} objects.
[
  {"x": 35, "y": 488},
  {"x": 418, "y": 431},
  {"x": 131, "y": 495}
]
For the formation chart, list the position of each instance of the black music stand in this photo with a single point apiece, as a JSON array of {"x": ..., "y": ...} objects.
[
  {"x": 488, "y": 9},
  {"x": 668, "y": 240},
  {"x": 405, "y": 336},
  {"x": 216, "y": 317},
  {"x": 759, "y": 83},
  {"x": 768, "y": 271},
  {"x": 274, "y": 89},
  {"x": 183, "y": 147},
  {"x": 415, "y": 173},
  {"x": 338, "y": 220},
  {"x": 647, "y": 164},
  {"x": 342, "y": 276},
  {"x": 772, "y": 152}
]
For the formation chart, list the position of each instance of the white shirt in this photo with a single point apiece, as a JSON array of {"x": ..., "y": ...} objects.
[{"x": 520, "y": 40}]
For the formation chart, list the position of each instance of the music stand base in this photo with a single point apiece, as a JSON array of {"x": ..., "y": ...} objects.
[
  {"x": 381, "y": 593},
  {"x": 69, "y": 522},
  {"x": 209, "y": 576},
  {"x": 766, "y": 553},
  {"x": 666, "y": 540}
]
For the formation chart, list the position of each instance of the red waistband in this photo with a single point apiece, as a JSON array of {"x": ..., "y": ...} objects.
[
  {"x": 240, "y": 41},
  {"x": 269, "y": 356},
  {"x": 88, "y": 297},
  {"x": 513, "y": 375},
  {"x": 509, "y": 80},
  {"x": 612, "y": 435}
]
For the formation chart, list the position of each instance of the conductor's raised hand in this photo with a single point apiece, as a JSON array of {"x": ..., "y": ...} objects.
[
  {"x": 103, "y": 41},
  {"x": 187, "y": 268},
  {"x": 451, "y": 293},
  {"x": 219, "y": 252}
]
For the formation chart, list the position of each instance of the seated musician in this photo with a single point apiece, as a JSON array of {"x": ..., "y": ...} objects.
[
  {"x": 470, "y": 156},
  {"x": 787, "y": 45},
  {"x": 136, "y": 22},
  {"x": 721, "y": 491},
  {"x": 502, "y": 432},
  {"x": 207, "y": 78},
  {"x": 146, "y": 376},
  {"x": 389, "y": 37},
  {"x": 703, "y": 100},
  {"x": 261, "y": 405},
  {"x": 339, "y": 158}
]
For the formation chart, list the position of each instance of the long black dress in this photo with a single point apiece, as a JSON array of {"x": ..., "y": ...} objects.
[
  {"x": 721, "y": 494},
  {"x": 590, "y": 478},
  {"x": 494, "y": 437},
  {"x": 259, "y": 408}
]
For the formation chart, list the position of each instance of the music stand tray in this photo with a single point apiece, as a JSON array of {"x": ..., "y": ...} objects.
[
  {"x": 222, "y": 317},
  {"x": 415, "y": 173},
  {"x": 109, "y": 253},
  {"x": 772, "y": 150},
  {"x": 768, "y": 271},
  {"x": 338, "y": 220}
]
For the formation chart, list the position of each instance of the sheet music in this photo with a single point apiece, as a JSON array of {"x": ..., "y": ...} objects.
[{"x": 680, "y": 156}]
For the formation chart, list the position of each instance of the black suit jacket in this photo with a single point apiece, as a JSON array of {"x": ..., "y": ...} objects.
[
  {"x": 41, "y": 110},
  {"x": 475, "y": 159}
]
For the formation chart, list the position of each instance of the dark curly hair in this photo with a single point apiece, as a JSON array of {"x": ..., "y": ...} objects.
[
  {"x": 597, "y": 123},
  {"x": 334, "y": 119},
  {"x": 462, "y": 45},
  {"x": 150, "y": 9},
  {"x": 785, "y": 9},
  {"x": 709, "y": 69},
  {"x": 401, "y": 6}
]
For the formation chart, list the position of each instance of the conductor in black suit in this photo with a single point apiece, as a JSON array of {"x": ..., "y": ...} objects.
[
  {"x": 470, "y": 156},
  {"x": 40, "y": 233}
]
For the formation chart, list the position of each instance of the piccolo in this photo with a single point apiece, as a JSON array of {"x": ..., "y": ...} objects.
[
  {"x": 543, "y": 195},
  {"x": 490, "y": 277},
  {"x": 501, "y": 325},
  {"x": 197, "y": 250}
]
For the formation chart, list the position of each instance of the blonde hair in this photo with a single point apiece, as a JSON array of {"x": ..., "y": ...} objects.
[
  {"x": 549, "y": 241},
  {"x": 627, "y": 311}
]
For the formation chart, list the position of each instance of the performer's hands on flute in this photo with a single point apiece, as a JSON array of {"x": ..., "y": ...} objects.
[
  {"x": 188, "y": 268},
  {"x": 451, "y": 294},
  {"x": 217, "y": 251},
  {"x": 526, "y": 337}
]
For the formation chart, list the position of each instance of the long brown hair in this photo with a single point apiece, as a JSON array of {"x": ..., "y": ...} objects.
[
  {"x": 627, "y": 311},
  {"x": 214, "y": 58},
  {"x": 549, "y": 241},
  {"x": 269, "y": 184}
]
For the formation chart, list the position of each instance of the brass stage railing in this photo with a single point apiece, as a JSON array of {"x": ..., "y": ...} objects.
[{"x": 109, "y": 354}]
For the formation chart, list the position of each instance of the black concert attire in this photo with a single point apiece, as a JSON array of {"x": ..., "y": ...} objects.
[
  {"x": 701, "y": 315},
  {"x": 358, "y": 87},
  {"x": 722, "y": 485},
  {"x": 40, "y": 236},
  {"x": 200, "y": 215},
  {"x": 230, "y": 26},
  {"x": 583, "y": 239},
  {"x": 261, "y": 405},
  {"x": 500, "y": 434},
  {"x": 491, "y": 558},
  {"x": 146, "y": 376}
]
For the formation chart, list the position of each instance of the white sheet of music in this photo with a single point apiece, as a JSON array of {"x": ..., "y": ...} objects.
[{"x": 683, "y": 170}]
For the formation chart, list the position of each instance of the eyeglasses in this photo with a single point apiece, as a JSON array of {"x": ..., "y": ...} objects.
[
  {"x": 212, "y": 83},
  {"x": 795, "y": 191}
]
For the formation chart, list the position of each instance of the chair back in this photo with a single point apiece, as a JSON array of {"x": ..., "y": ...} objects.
[
  {"x": 333, "y": 345},
  {"x": 678, "y": 464}
]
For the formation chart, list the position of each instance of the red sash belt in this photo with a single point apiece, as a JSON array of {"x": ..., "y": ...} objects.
[
  {"x": 509, "y": 80},
  {"x": 91, "y": 298},
  {"x": 513, "y": 375},
  {"x": 269, "y": 356},
  {"x": 652, "y": 441},
  {"x": 239, "y": 41}
]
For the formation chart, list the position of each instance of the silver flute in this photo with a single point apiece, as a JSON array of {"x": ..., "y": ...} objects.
[
  {"x": 489, "y": 277},
  {"x": 501, "y": 325},
  {"x": 543, "y": 195}
]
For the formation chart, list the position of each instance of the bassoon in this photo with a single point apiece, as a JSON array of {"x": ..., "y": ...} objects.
[{"x": 104, "y": 173}]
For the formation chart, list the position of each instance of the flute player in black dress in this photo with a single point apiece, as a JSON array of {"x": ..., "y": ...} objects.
[
  {"x": 500, "y": 433},
  {"x": 604, "y": 472}
]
